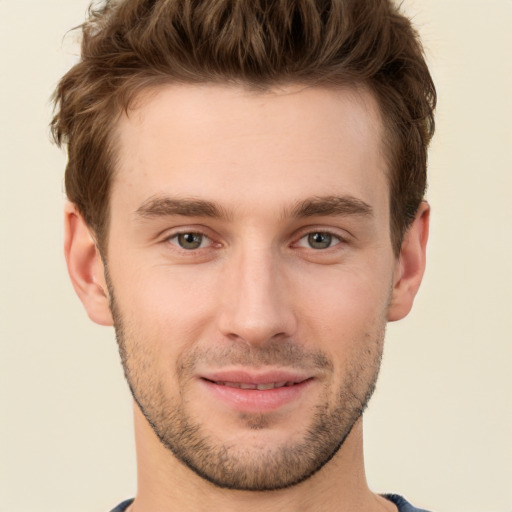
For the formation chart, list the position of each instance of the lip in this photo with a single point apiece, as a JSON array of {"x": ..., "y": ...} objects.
[{"x": 255, "y": 400}]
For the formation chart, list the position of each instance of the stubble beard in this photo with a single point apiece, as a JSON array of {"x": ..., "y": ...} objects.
[{"x": 229, "y": 465}]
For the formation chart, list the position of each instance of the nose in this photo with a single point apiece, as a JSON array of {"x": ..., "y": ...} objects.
[{"x": 256, "y": 303}]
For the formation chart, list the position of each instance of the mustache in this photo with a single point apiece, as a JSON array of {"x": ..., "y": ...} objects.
[{"x": 273, "y": 353}]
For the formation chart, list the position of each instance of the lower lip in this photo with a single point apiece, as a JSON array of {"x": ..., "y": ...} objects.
[{"x": 256, "y": 400}]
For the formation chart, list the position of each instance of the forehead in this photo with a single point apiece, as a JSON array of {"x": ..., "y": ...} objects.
[{"x": 246, "y": 148}]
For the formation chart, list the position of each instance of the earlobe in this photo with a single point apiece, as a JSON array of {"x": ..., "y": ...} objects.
[
  {"x": 85, "y": 267},
  {"x": 410, "y": 265}
]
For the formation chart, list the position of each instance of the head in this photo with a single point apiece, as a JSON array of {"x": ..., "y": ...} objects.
[
  {"x": 132, "y": 46},
  {"x": 252, "y": 175}
]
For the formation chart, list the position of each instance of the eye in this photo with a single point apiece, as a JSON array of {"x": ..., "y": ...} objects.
[
  {"x": 318, "y": 240},
  {"x": 190, "y": 241}
]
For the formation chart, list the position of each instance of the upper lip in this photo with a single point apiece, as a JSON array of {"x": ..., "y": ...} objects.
[{"x": 267, "y": 376}]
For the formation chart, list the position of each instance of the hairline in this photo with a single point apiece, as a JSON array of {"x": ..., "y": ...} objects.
[{"x": 140, "y": 94}]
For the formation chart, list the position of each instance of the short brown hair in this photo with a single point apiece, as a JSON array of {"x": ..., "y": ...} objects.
[{"x": 129, "y": 45}]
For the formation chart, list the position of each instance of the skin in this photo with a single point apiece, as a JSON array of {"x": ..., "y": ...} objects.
[{"x": 286, "y": 192}]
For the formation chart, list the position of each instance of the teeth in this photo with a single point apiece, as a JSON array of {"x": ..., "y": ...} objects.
[
  {"x": 230, "y": 384},
  {"x": 270, "y": 385},
  {"x": 260, "y": 387}
]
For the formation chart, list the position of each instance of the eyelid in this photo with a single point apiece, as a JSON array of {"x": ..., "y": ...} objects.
[
  {"x": 341, "y": 235},
  {"x": 172, "y": 233},
  {"x": 204, "y": 239},
  {"x": 335, "y": 239}
]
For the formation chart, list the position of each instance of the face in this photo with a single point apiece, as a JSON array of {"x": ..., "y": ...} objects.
[{"x": 250, "y": 270}]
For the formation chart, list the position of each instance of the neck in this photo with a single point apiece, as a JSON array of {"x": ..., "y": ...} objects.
[{"x": 167, "y": 485}]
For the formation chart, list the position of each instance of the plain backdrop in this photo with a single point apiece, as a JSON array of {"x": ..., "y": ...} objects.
[{"x": 440, "y": 425}]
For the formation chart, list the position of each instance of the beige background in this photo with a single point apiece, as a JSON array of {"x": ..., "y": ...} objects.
[{"x": 440, "y": 426}]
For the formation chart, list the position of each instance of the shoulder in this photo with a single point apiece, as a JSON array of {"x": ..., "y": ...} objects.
[
  {"x": 122, "y": 506},
  {"x": 402, "y": 504}
]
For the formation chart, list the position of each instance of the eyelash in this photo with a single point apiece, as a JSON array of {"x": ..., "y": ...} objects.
[
  {"x": 204, "y": 238},
  {"x": 330, "y": 236},
  {"x": 175, "y": 236}
]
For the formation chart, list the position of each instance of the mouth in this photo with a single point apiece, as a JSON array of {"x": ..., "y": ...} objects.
[
  {"x": 253, "y": 392},
  {"x": 259, "y": 387}
]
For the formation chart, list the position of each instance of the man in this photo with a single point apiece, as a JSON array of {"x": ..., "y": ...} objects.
[{"x": 245, "y": 185}]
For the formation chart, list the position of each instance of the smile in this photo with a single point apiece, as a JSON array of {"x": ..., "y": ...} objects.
[
  {"x": 259, "y": 387},
  {"x": 256, "y": 393}
]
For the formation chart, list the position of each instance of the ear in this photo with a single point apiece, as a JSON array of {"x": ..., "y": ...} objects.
[
  {"x": 410, "y": 265},
  {"x": 85, "y": 266}
]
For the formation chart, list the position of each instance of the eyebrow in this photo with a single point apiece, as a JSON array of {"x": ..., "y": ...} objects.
[
  {"x": 330, "y": 206},
  {"x": 187, "y": 207},
  {"x": 310, "y": 207}
]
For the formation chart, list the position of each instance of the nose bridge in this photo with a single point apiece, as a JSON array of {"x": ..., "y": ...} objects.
[{"x": 255, "y": 307}]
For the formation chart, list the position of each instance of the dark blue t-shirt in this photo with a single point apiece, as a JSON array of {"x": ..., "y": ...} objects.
[{"x": 402, "y": 504}]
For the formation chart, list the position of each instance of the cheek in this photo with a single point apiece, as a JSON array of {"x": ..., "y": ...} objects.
[
  {"x": 172, "y": 307},
  {"x": 346, "y": 318},
  {"x": 345, "y": 315},
  {"x": 168, "y": 306},
  {"x": 346, "y": 300}
]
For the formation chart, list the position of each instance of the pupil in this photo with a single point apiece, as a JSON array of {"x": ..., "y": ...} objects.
[
  {"x": 190, "y": 240},
  {"x": 319, "y": 240}
]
